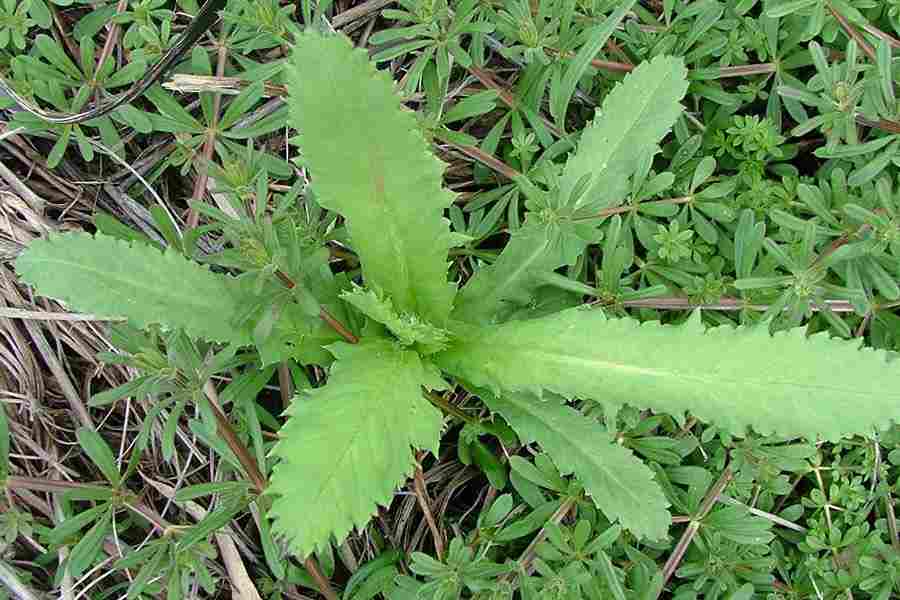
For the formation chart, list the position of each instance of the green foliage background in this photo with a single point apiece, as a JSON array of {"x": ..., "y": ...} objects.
[{"x": 771, "y": 203}]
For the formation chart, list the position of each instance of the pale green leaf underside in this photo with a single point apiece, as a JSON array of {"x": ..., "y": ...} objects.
[
  {"x": 787, "y": 384},
  {"x": 634, "y": 117},
  {"x": 619, "y": 483},
  {"x": 110, "y": 277},
  {"x": 346, "y": 446},
  {"x": 508, "y": 283},
  {"x": 497, "y": 290},
  {"x": 409, "y": 329},
  {"x": 370, "y": 163}
]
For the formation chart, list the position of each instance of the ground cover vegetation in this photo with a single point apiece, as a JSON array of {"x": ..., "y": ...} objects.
[{"x": 429, "y": 299}]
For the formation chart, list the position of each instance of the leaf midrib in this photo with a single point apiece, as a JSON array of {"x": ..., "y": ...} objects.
[
  {"x": 185, "y": 299},
  {"x": 614, "y": 148},
  {"x": 527, "y": 408},
  {"x": 563, "y": 358}
]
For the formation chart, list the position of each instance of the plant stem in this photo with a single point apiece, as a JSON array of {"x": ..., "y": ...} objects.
[
  {"x": 442, "y": 403},
  {"x": 708, "y": 502},
  {"x": 43, "y": 485},
  {"x": 506, "y": 97},
  {"x": 323, "y": 313},
  {"x": 678, "y": 303},
  {"x": 852, "y": 32},
  {"x": 424, "y": 503},
  {"x": 484, "y": 158},
  {"x": 55, "y": 486},
  {"x": 625, "y": 208},
  {"x": 209, "y": 145},
  {"x": 248, "y": 463},
  {"x": 285, "y": 384},
  {"x": 11, "y": 581},
  {"x": 527, "y": 558}
]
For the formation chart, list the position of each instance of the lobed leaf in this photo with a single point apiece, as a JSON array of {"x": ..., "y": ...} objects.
[
  {"x": 371, "y": 164},
  {"x": 110, "y": 277},
  {"x": 618, "y": 482},
  {"x": 787, "y": 384},
  {"x": 346, "y": 446}
]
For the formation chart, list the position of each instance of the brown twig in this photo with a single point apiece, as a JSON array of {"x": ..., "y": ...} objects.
[
  {"x": 285, "y": 384},
  {"x": 605, "y": 65},
  {"x": 57, "y": 486},
  {"x": 626, "y": 208},
  {"x": 39, "y": 484},
  {"x": 209, "y": 145},
  {"x": 852, "y": 32},
  {"x": 694, "y": 526},
  {"x": 425, "y": 504},
  {"x": 240, "y": 451},
  {"x": 326, "y": 316},
  {"x": 892, "y": 521},
  {"x": 874, "y": 31},
  {"x": 882, "y": 124},
  {"x": 358, "y": 12},
  {"x": 680, "y": 303},
  {"x": 248, "y": 463},
  {"x": 184, "y": 83},
  {"x": 608, "y": 65},
  {"x": 747, "y": 70},
  {"x": 55, "y": 367},
  {"x": 112, "y": 39},
  {"x": 841, "y": 241},
  {"x": 526, "y": 560},
  {"x": 484, "y": 158},
  {"x": 488, "y": 81}
]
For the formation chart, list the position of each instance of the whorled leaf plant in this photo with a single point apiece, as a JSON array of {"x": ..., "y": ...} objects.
[{"x": 347, "y": 446}]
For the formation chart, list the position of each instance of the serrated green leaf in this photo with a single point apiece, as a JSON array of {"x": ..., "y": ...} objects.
[
  {"x": 110, "y": 277},
  {"x": 371, "y": 163},
  {"x": 634, "y": 117},
  {"x": 346, "y": 446},
  {"x": 409, "y": 329},
  {"x": 618, "y": 482},
  {"x": 787, "y": 384}
]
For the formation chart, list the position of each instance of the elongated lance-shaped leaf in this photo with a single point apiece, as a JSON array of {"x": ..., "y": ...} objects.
[
  {"x": 619, "y": 483},
  {"x": 347, "y": 446},
  {"x": 110, "y": 277},
  {"x": 370, "y": 163},
  {"x": 634, "y": 117},
  {"x": 508, "y": 283},
  {"x": 535, "y": 250},
  {"x": 786, "y": 384}
]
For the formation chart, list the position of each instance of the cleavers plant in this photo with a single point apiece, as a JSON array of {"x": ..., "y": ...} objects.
[{"x": 408, "y": 333}]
